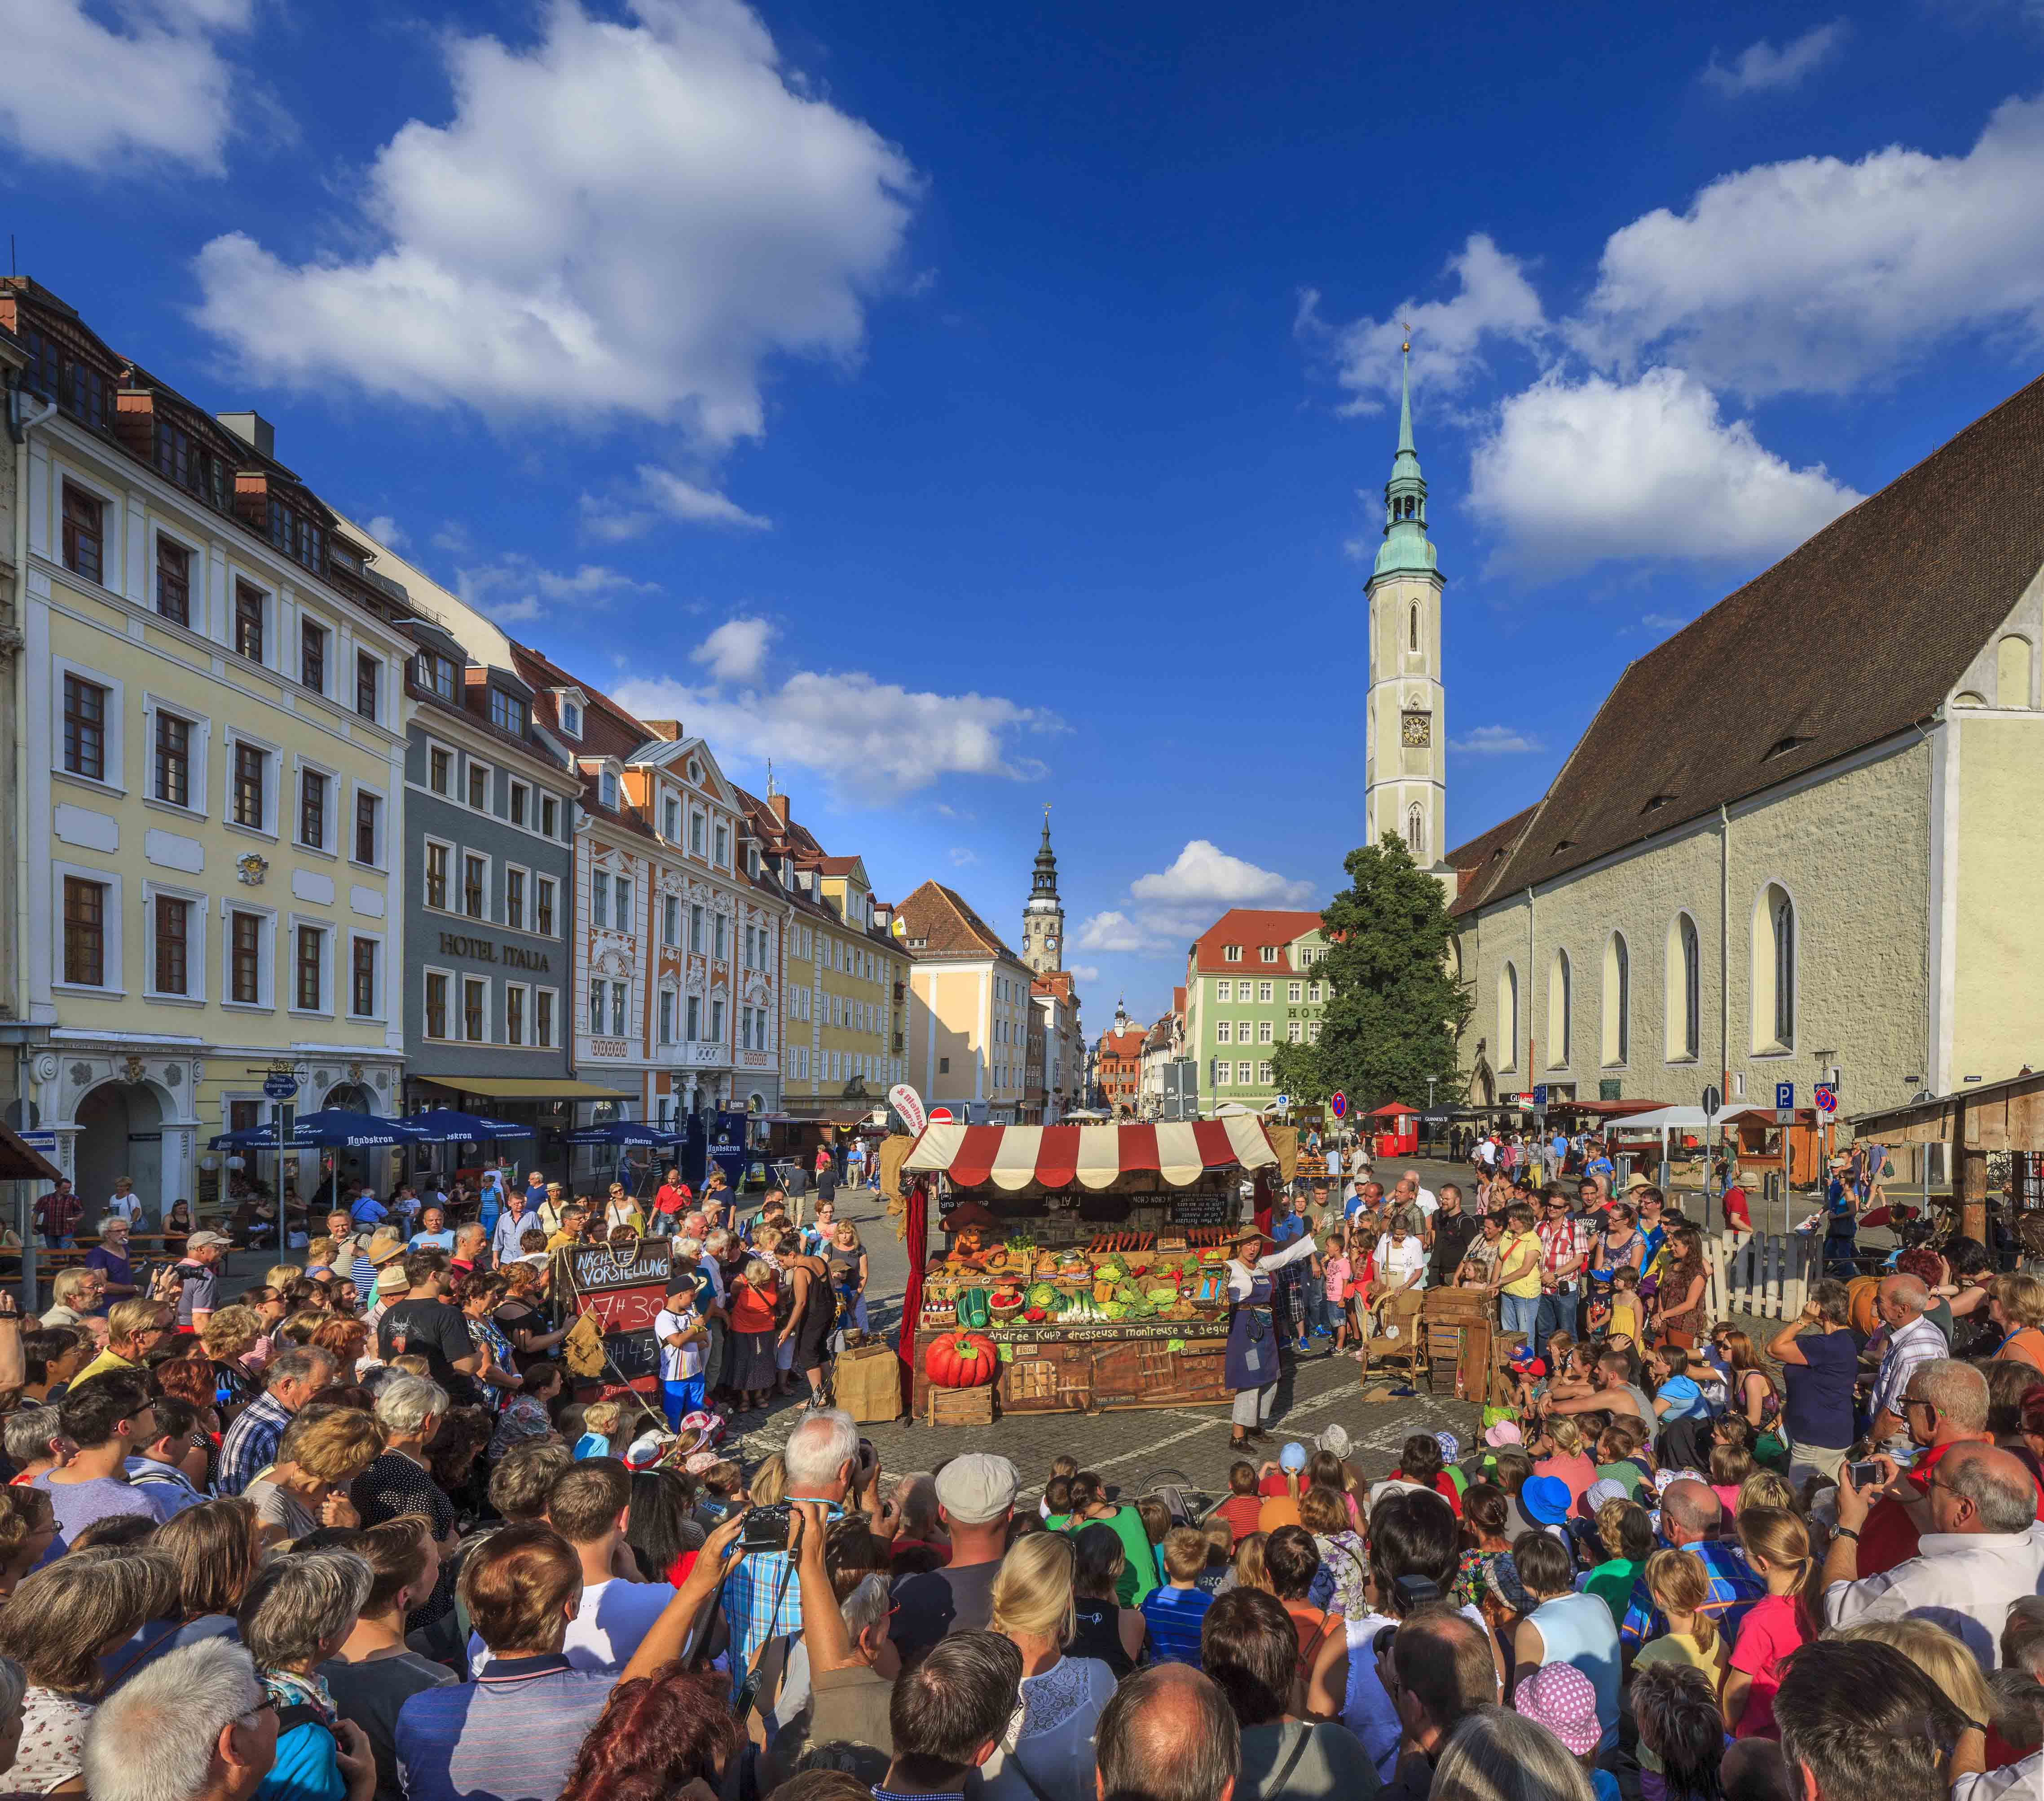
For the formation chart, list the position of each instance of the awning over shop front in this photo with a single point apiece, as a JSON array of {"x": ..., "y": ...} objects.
[
  {"x": 1015, "y": 1156},
  {"x": 527, "y": 1087}
]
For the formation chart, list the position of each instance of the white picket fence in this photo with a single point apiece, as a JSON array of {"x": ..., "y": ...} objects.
[{"x": 1768, "y": 1274}]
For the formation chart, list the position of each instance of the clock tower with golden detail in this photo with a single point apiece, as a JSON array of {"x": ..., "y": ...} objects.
[{"x": 1405, "y": 768}]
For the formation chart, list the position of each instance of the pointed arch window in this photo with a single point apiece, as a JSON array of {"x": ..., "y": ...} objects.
[
  {"x": 1617, "y": 1021},
  {"x": 1415, "y": 830},
  {"x": 1774, "y": 971},
  {"x": 1559, "y": 1010},
  {"x": 1681, "y": 995},
  {"x": 1508, "y": 1017},
  {"x": 1415, "y": 638}
]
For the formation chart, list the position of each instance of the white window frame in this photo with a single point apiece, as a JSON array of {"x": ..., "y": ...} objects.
[
  {"x": 198, "y": 605},
  {"x": 112, "y": 528},
  {"x": 1264, "y": 1032},
  {"x": 297, "y": 922},
  {"x": 553, "y": 996},
  {"x": 239, "y": 577},
  {"x": 621, "y": 903},
  {"x": 198, "y": 742},
  {"x": 266, "y": 956},
  {"x": 670, "y": 921},
  {"x": 460, "y": 1019},
  {"x": 719, "y": 840},
  {"x": 489, "y": 884},
  {"x": 666, "y": 1019},
  {"x": 453, "y": 769},
  {"x": 426, "y": 1032},
  {"x": 698, "y": 832},
  {"x": 1241, "y": 1075},
  {"x": 364, "y": 653},
  {"x": 116, "y": 758},
  {"x": 1231, "y": 953},
  {"x": 382, "y": 1007},
  {"x": 1294, "y": 993},
  {"x": 382, "y": 796},
  {"x": 308, "y": 616},
  {"x": 565, "y": 703},
  {"x": 233, "y": 737},
  {"x": 301, "y": 766},
  {"x": 600, "y": 920},
  {"x": 609, "y": 789},
  {"x": 504, "y": 898},
  {"x": 552, "y": 883},
  {"x": 1264, "y": 992},
  {"x": 429, "y": 842},
  {"x": 512, "y": 809},
  {"x": 670, "y": 814},
  {"x": 523, "y": 991},
  {"x": 113, "y": 964},
  {"x": 617, "y": 1030},
  {"x": 471, "y": 763},
  {"x": 196, "y": 900}
]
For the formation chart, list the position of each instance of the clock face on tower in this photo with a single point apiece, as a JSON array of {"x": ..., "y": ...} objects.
[
  {"x": 1050, "y": 941},
  {"x": 1416, "y": 728}
]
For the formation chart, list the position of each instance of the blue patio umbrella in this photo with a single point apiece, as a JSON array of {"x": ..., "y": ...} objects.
[
  {"x": 624, "y": 1133},
  {"x": 448, "y": 1125}
]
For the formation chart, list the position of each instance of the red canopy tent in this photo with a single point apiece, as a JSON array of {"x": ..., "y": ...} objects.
[{"x": 1400, "y": 1136}]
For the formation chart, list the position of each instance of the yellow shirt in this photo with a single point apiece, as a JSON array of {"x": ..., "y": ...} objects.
[
  {"x": 1514, "y": 1244},
  {"x": 99, "y": 1366},
  {"x": 1625, "y": 1316},
  {"x": 1680, "y": 1648},
  {"x": 561, "y": 1238}
]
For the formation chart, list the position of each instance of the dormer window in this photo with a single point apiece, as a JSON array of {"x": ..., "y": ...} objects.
[
  {"x": 299, "y": 537},
  {"x": 606, "y": 788},
  {"x": 568, "y": 711},
  {"x": 1655, "y": 803},
  {"x": 1231, "y": 953},
  {"x": 1269, "y": 953},
  {"x": 435, "y": 674},
  {"x": 1781, "y": 747},
  {"x": 507, "y": 712}
]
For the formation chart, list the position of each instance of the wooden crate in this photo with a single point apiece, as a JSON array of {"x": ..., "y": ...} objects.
[{"x": 961, "y": 1407}]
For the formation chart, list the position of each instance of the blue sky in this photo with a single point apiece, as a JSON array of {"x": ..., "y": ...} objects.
[{"x": 978, "y": 406}]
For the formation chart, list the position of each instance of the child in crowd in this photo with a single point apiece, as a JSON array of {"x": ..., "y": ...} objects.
[
  {"x": 1624, "y": 1309},
  {"x": 601, "y": 1422},
  {"x": 1220, "y": 1540},
  {"x": 1156, "y": 1519},
  {"x": 723, "y": 1488},
  {"x": 1174, "y": 1613},
  {"x": 1243, "y": 1504},
  {"x": 1062, "y": 1469},
  {"x": 1335, "y": 1274},
  {"x": 1777, "y": 1545}
]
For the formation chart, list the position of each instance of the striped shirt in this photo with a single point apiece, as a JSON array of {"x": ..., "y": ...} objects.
[
  {"x": 1174, "y": 1616},
  {"x": 509, "y": 1735},
  {"x": 1731, "y": 1589},
  {"x": 1916, "y": 1343}
]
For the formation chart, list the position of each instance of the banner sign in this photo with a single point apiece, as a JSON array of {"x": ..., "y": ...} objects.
[{"x": 622, "y": 1287}]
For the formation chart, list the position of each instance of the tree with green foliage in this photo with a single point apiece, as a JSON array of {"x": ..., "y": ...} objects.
[{"x": 1394, "y": 1010}]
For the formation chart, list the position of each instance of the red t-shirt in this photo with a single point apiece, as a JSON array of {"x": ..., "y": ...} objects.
[
  {"x": 1736, "y": 1215},
  {"x": 1770, "y": 1631},
  {"x": 1240, "y": 1512},
  {"x": 1444, "y": 1486}
]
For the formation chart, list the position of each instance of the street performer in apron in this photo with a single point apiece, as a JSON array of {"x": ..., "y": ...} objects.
[{"x": 1252, "y": 1332}]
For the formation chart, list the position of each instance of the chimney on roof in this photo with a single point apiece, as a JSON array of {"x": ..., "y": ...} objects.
[
  {"x": 252, "y": 428},
  {"x": 668, "y": 729},
  {"x": 779, "y": 803}
]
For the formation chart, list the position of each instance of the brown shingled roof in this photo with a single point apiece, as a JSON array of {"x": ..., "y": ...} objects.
[
  {"x": 948, "y": 925},
  {"x": 1476, "y": 863},
  {"x": 1852, "y": 637}
]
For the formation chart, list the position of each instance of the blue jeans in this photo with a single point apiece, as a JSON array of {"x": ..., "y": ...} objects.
[
  {"x": 1318, "y": 1317},
  {"x": 680, "y": 1398},
  {"x": 1557, "y": 1313},
  {"x": 1522, "y": 1316}
]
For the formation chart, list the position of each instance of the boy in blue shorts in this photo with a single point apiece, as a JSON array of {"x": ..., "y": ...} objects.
[{"x": 684, "y": 1341}]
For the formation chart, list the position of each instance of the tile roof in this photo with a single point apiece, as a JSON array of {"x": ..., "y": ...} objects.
[
  {"x": 948, "y": 925},
  {"x": 1477, "y": 862},
  {"x": 1251, "y": 928},
  {"x": 1121, "y": 1044},
  {"x": 1856, "y": 635}
]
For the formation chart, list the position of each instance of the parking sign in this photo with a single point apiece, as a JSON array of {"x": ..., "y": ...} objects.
[{"x": 1785, "y": 1096}]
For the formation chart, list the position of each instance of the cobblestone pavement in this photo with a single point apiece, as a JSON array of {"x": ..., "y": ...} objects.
[{"x": 1131, "y": 1447}]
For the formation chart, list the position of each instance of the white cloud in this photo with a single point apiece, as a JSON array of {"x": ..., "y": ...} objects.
[
  {"x": 662, "y": 494},
  {"x": 1204, "y": 873},
  {"x": 152, "y": 84},
  {"x": 514, "y": 590},
  {"x": 628, "y": 218},
  {"x": 1115, "y": 931},
  {"x": 736, "y": 651},
  {"x": 1818, "y": 275},
  {"x": 876, "y": 739},
  {"x": 961, "y": 858},
  {"x": 1166, "y": 911},
  {"x": 1579, "y": 471},
  {"x": 1761, "y": 68},
  {"x": 1083, "y": 971},
  {"x": 1495, "y": 740},
  {"x": 1662, "y": 622},
  {"x": 385, "y": 530},
  {"x": 1493, "y": 301}
]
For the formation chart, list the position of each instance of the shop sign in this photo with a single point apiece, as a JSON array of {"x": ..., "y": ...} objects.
[{"x": 489, "y": 950}]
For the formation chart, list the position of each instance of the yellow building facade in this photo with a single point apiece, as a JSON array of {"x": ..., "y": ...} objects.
[
  {"x": 209, "y": 869},
  {"x": 970, "y": 1013}
]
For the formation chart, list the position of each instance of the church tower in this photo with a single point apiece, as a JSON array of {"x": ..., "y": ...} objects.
[
  {"x": 1405, "y": 769},
  {"x": 1043, "y": 913}
]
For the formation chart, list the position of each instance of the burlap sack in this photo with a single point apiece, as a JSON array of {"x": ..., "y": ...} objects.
[{"x": 867, "y": 1383}]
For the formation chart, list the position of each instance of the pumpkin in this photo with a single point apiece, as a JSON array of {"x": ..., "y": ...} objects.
[{"x": 961, "y": 1360}]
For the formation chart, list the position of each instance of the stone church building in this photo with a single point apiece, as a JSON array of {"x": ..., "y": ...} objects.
[{"x": 1798, "y": 836}]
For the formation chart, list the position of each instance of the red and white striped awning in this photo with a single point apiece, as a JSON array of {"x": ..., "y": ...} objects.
[{"x": 1016, "y": 1156}]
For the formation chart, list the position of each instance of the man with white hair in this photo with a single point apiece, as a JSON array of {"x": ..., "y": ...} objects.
[
  {"x": 761, "y": 1598},
  {"x": 193, "y": 1726},
  {"x": 1906, "y": 1340}
]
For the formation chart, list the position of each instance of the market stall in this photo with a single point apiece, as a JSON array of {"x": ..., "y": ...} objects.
[{"x": 1081, "y": 1266}]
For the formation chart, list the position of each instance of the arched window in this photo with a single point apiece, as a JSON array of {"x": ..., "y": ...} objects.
[
  {"x": 1415, "y": 830},
  {"x": 2011, "y": 672},
  {"x": 1773, "y": 982},
  {"x": 1681, "y": 991},
  {"x": 1415, "y": 627},
  {"x": 1508, "y": 1017},
  {"x": 1559, "y": 1010},
  {"x": 1617, "y": 1034}
]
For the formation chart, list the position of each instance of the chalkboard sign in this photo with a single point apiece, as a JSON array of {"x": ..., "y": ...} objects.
[
  {"x": 1193, "y": 1208},
  {"x": 623, "y": 1287}
]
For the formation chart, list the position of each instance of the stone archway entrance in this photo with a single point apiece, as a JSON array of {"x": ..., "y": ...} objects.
[{"x": 120, "y": 1132}]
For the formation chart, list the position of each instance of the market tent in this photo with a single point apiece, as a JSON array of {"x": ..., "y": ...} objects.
[
  {"x": 1663, "y": 1119},
  {"x": 1014, "y": 1156},
  {"x": 1391, "y": 1109}
]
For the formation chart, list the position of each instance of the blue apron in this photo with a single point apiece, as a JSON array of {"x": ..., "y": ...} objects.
[{"x": 1252, "y": 1337}]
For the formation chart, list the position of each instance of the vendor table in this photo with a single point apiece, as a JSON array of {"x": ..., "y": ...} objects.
[{"x": 1114, "y": 1235}]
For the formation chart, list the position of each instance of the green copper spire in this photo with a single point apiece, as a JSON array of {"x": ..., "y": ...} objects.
[{"x": 1406, "y": 547}]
